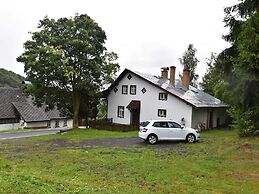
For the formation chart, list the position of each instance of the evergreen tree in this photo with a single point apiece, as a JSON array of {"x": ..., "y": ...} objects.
[{"x": 237, "y": 67}]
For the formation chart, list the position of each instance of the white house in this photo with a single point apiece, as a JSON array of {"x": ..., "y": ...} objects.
[
  {"x": 135, "y": 97},
  {"x": 18, "y": 111}
]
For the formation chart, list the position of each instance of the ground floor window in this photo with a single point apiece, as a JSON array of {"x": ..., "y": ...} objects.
[
  {"x": 161, "y": 113},
  {"x": 57, "y": 123},
  {"x": 65, "y": 122},
  {"x": 120, "y": 112},
  {"x": 49, "y": 124}
]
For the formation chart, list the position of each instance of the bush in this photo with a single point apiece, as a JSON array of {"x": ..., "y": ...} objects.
[
  {"x": 106, "y": 124},
  {"x": 243, "y": 121}
]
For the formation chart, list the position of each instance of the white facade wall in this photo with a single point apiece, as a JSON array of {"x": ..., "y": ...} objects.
[
  {"x": 219, "y": 113},
  {"x": 176, "y": 109},
  {"x": 201, "y": 115},
  {"x": 61, "y": 123},
  {"x": 42, "y": 124},
  {"x": 10, "y": 126}
]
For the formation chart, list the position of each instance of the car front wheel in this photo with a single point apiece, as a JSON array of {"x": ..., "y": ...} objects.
[
  {"x": 152, "y": 139},
  {"x": 190, "y": 138}
]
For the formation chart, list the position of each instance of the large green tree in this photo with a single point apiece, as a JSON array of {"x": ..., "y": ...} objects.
[
  {"x": 237, "y": 67},
  {"x": 67, "y": 63},
  {"x": 189, "y": 62}
]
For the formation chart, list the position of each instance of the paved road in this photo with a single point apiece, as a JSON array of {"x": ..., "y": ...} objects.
[{"x": 30, "y": 133}]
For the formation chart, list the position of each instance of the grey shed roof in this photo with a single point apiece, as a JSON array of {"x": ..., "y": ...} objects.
[
  {"x": 13, "y": 104},
  {"x": 193, "y": 96},
  {"x": 30, "y": 113}
]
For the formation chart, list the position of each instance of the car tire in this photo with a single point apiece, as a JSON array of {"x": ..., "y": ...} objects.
[
  {"x": 152, "y": 139},
  {"x": 190, "y": 138}
]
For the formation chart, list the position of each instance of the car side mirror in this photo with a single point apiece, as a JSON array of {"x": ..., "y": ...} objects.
[{"x": 182, "y": 126}]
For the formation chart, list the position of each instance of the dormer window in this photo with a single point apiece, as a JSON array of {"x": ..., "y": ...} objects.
[
  {"x": 162, "y": 96},
  {"x": 124, "y": 89}
]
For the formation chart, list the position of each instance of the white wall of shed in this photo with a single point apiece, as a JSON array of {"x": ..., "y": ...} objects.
[
  {"x": 176, "y": 109},
  {"x": 201, "y": 115},
  {"x": 221, "y": 114},
  {"x": 10, "y": 126},
  {"x": 61, "y": 123},
  {"x": 40, "y": 124}
]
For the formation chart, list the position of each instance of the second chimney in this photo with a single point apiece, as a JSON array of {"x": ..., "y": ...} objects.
[
  {"x": 172, "y": 75},
  {"x": 186, "y": 79},
  {"x": 164, "y": 72}
]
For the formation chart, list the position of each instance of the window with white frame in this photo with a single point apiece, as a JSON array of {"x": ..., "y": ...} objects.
[
  {"x": 161, "y": 113},
  {"x": 124, "y": 89},
  {"x": 120, "y": 112},
  {"x": 133, "y": 89},
  {"x": 162, "y": 96},
  {"x": 65, "y": 122},
  {"x": 56, "y": 123}
]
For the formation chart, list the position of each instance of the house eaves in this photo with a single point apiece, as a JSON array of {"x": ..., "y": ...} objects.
[{"x": 194, "y": 97}]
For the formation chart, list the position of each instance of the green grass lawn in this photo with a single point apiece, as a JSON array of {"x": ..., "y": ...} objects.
[{"x": 220, "y": 163}]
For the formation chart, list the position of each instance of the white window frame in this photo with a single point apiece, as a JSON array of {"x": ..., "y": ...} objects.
[
  {"x": 120, "y": 113},
  {"x": 124, "y": 89},
  {"x": 133, "y": 89},
  {"x": 161, "y": 113},
  {"x": 162, "y": 96}
]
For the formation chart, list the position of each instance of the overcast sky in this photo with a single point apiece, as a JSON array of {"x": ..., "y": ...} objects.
[{"x": 146, "y": 34}]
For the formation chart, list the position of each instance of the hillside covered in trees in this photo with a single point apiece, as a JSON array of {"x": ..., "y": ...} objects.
[{"x": 10, "y": 79}]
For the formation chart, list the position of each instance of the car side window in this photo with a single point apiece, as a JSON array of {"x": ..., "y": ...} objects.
[
  {"x": 160, "y": 124},
  {"x": 173, "y": 125}
]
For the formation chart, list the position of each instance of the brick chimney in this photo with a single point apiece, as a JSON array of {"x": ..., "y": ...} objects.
[
  {"x": 164, "y": 72},
  {"x": 186, "y": 79},
  {"x": 172, "y": 75}
]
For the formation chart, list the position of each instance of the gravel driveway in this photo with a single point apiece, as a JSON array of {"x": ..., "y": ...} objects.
[{"x": 129, "y": 142}]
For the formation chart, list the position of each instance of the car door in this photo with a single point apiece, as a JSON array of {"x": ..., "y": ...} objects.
[
  {"x": 176, "y": 131},
  {"x": 161, "y": 129}
]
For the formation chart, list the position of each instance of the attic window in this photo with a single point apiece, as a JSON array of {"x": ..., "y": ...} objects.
[
  {"x": 115, "y": 89},
  {"x": 129, "y": 76},
  {"x": 124, "y": 89},
  {"x": 162, "y": 96},
  {"x": 143, "y": 90},
  {"x": 133, "y": 89}
]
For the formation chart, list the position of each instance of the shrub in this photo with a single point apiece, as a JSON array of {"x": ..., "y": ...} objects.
[
  {"x": 243, "y": 121},
  {"x": 106, "y": 124}
]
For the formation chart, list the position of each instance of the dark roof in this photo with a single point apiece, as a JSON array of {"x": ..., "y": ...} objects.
[
  {"x": 133, "y": 105},
  {"x": 30, "y": 113},
  {"x": 193, "y": 96},
  {"x": 13, "y": 104},
  {"x": 7, "y": 111}
]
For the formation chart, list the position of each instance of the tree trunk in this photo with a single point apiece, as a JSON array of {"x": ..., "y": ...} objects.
[{"x": 76, "y": 105}]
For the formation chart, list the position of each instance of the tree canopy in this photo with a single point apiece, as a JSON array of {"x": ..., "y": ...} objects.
[
  {"x": 10, "y": 79},
  {"x": 235, "y": 74},
  {"x": 67, "y": 63},
  {"x": 189, "y": 62}
]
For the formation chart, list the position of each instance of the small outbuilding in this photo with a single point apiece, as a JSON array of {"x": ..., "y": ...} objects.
[{"x": 18, "y": 111}]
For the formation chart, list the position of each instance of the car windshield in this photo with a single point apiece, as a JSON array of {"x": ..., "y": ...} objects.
[{"x": 144, "y": 124}]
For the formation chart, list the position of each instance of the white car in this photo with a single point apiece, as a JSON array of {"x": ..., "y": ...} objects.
[{"x": 155, "y": 130}]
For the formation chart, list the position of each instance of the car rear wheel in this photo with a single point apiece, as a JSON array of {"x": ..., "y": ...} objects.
[
  {"x": 190, "y": 138},
  {"x": 152, "y": 139}
]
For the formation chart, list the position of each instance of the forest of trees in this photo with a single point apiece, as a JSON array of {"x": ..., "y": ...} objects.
[
  {"x": 233, "y": 75},
  {"x": 10, "y": 79}
]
